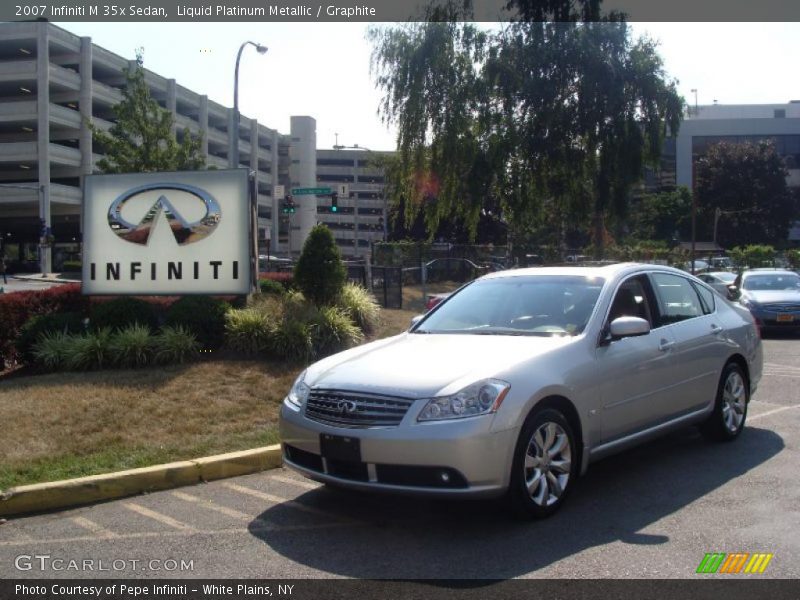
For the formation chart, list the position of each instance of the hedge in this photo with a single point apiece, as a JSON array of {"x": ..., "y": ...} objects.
[{"x": 17, "y": 308}]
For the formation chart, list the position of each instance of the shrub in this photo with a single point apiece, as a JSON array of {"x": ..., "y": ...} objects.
[
  {"x": 360, "y": 305},
  {"x": 89, "y": 351},
  {"x": 320, "y": 273},
  {"x": 286, "y": 279},
  {"x": 53, "y": 350},
  {"x": 292, "y": 339},
  {"x": 201, "y": 315},
  {"x": 17, "y": 308},
  {"x": 334, "y": 331},
  {"x": 248, "y": 330},
  {"x": 120, "y": 313},
  {"x": 270, "y": 286},
  {"x": 175, "y": 345},
  {"x": 132, "y": 346},
  {"x": 39, "y": 325}
]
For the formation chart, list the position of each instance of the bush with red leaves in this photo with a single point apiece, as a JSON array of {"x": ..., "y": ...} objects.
[{"x": 17, "y": 307}]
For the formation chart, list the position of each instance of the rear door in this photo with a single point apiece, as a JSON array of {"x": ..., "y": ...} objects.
[{"x": 692, "y": 320}]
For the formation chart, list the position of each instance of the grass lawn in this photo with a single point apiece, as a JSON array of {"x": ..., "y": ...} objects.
[{"x": 64, "y": 425}]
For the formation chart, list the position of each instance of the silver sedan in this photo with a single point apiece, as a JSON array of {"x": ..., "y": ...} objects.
[{"x": 519, "y": 380}]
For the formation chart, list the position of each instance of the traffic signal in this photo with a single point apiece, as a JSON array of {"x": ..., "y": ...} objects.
[
  {"x": 288, "y": 206},
  {"x": 334, "y": 202}
]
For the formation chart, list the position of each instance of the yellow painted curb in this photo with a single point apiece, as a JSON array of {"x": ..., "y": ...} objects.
[{"x": 85, "y": 490}]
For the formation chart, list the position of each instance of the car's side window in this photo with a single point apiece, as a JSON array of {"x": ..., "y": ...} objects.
[
  {"x": 631, "y": 301},
  {"x": 706, "y": 298},
  {"x": 677, "y": 298}
]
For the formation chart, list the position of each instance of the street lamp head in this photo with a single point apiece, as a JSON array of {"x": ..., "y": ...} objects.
[{"x": 261, "y": 49}]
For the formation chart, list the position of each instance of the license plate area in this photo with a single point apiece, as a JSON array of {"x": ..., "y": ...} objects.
[
  {"x": 785, "y": 318},
  {"x": 337, "y": 447}
]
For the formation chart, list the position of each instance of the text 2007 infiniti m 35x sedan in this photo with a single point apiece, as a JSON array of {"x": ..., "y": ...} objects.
[{"x": 520, "y": 379}]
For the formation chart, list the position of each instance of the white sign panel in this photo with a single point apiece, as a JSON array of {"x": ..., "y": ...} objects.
[
  {"x": 279, "y": 192},
  {"x": 343, "y": 190},
  {"x": 166, "y": 233}
]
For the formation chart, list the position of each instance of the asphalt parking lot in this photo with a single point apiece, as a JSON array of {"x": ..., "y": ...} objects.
[{"x": 652, "y": 512}]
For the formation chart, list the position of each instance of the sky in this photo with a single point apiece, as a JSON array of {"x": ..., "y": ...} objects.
[{"x": 323, "y": 69}]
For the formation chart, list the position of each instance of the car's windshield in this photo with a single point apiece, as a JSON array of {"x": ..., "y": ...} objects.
[
  {"x": 544, "y": 305},
  {"x": 789, "y": 281}
]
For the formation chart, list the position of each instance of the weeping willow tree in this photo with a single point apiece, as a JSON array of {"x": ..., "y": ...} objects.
[{"x": 547, "y": 122}]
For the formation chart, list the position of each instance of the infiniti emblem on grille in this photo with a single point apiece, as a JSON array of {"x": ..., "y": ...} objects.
[{"x": 346, "y": 406}]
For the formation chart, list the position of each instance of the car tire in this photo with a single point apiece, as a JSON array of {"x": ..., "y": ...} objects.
[
  {"x": 727, "y": 420},
  {"x": 545, "y": 465}
]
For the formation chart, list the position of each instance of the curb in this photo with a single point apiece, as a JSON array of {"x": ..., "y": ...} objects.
[{"x": 86, "y": 490}]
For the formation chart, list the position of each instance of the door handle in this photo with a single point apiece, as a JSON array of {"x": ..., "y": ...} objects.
[
  {"x": 716, "y": 328},
  {"x": 665, "y": 345}
]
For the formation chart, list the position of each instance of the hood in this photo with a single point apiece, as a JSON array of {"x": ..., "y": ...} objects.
[
  {"x": 772, "y": 296},
  {"x": 422, "y": 365}
]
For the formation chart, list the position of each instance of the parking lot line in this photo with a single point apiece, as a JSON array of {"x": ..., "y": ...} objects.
[
  {"x": 157, "y": 516},
  {"x": 93, "y": 527},
  {"x": 278, "y": 500},
  {"x": 781, "y": 367},
  {"x": 298, "y": 482},
  {"x": 772, "y": 412}
]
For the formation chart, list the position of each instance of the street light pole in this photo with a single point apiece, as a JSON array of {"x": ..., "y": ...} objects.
[{"x": 236, "y": 116}]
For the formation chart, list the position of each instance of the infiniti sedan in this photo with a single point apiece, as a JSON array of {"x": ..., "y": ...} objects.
[
  {"x": 772, "y": 295},
  {"x": 519, "y": 380}
]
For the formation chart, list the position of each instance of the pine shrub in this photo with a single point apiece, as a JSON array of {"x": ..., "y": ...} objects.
[{"x": 320, "y": 273}]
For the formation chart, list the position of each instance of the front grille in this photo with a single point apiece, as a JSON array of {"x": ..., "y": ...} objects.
[
  {"x": 356, "y": 410},
  {"x": 782, "y": 307}
]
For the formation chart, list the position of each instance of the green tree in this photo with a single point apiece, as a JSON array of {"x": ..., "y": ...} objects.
[
  {"x": 662, "y": 215},
  {"x": 547, "y": 120},
  {"x": 319, "y": 272},
  {"x": 141, "y": 139},
  {"x": 747, "y": 183}
]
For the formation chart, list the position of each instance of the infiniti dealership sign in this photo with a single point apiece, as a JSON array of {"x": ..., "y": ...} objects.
[{"x": 167, "y": 233}]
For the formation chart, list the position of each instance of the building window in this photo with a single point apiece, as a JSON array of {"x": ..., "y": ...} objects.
[
  {"x": 335, "y": 162},
  {"x": 343, "y": 178},
  {"x": 264, "y": 212},
  {"x": 371, "y": 179}
]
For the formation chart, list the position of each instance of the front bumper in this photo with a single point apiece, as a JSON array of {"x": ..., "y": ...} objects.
[{"x": 446, "y": 458}]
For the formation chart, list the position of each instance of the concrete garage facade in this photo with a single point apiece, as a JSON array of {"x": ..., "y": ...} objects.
[{"x": 52, "y": 83}]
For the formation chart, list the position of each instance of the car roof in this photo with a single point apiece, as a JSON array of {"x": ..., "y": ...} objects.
[
  {"x": 767, "y": 272},
  {"x": 606, "y": 271}
]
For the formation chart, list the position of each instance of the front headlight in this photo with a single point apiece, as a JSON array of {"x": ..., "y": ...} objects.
[
  {"x": 299, "y": 393},
  {"x": 477, "y": 399}
]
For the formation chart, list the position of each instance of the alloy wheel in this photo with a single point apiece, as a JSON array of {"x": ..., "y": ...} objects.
[
  {"x": 734, "y": 398},
  {"x": 548, "y": 464}
]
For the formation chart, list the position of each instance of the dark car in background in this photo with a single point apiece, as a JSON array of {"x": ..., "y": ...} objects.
[
  {"x": 771, "y": 295},
  {"x": 719, "y": 280},
  {"x": 453, "y": 269}
]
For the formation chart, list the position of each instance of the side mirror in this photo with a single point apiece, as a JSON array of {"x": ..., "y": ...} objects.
[
  {"x": 733, "y": 292},
  {"x": 414, "y": 320},
  {"x": 623, "y": 327}
]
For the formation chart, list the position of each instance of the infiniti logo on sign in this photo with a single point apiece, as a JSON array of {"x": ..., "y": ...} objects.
[{"x": 184, "y": 231}]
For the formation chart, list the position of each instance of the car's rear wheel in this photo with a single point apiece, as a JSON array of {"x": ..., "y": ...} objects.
[
  {"x": 730, "y": 409},
  {"x": 545, "y": 464}
]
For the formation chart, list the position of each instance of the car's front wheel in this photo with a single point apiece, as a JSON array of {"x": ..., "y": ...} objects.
[
  {"x": 730, "y": 408},
  {"x": 545, "y": 464}
]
